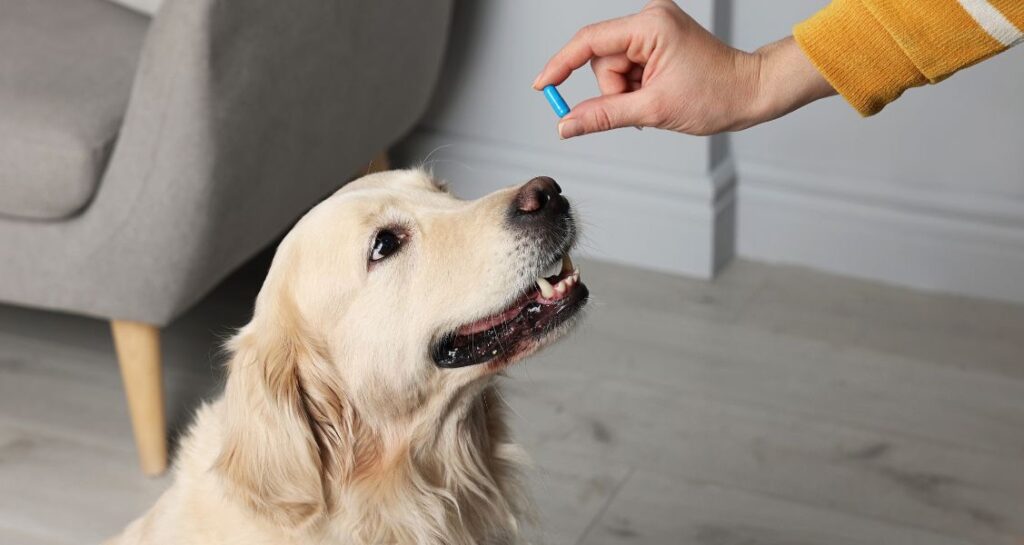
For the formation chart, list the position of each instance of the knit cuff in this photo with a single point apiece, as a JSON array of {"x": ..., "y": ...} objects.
[{"x": 857, "y": 56}]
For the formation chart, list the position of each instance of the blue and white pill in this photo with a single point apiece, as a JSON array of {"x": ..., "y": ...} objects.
[{"x": 556, "y": 101}]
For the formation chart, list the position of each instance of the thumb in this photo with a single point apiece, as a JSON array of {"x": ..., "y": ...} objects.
[{"x": 605, "y": 113}]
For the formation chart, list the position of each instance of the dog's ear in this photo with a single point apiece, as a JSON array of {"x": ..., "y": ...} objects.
[{"x": 286, "y": 425}]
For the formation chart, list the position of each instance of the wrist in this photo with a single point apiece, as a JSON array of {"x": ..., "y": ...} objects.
[{"x": 786, "y": 80}]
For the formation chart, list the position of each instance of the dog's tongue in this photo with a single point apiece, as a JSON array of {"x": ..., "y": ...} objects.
[{"x": 495, "y": 319}]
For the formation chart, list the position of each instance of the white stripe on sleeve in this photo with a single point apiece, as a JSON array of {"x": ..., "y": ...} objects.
[{"x": 993, "y": 22}]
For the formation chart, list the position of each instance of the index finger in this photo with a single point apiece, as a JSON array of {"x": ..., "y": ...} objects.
[{"x": 602, "y": 39}]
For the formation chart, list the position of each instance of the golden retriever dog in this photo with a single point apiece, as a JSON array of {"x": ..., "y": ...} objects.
[{"x": 361, "y": 404}]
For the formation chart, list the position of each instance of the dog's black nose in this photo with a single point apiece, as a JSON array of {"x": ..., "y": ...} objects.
[
  {"x": 540, "y": 219},
  {"x": 540, "y": 196}
]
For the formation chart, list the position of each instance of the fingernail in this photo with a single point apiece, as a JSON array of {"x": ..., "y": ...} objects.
[
  {"x": 536, "y": 80},
  {"x": 567, "y": 128}
]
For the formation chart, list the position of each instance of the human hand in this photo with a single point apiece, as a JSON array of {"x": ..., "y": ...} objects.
[{"x": 659, "y": 68}]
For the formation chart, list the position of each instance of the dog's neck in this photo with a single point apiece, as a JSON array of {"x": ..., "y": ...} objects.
[
  {"x": 455, "y": 484},
  {"x": 296, "y": 450}
]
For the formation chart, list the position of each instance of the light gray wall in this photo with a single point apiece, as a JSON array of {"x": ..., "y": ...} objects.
[
  {"x": 649, "y": 198},
  {"x": 946, "y": 137},
  {"x": 929, "y": 193}
]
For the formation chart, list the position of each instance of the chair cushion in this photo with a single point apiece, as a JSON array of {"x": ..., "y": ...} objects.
[{"x": 66, "y": 70}]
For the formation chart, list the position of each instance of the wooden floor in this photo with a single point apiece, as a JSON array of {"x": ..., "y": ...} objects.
[{"x": 773, "y": 406}]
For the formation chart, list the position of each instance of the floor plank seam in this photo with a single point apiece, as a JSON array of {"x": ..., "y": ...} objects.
[{"x": 604, "y": 508}]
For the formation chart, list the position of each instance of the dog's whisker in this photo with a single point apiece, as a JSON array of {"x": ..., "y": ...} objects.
[
  {"x": 435, "y": 150},
  {"x": 429, "y": 169}
]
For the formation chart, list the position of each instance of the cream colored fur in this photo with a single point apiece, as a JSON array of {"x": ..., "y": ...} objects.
[{"x": 335, "y": 426}]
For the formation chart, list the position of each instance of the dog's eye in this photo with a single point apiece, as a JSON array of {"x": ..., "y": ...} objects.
[{"x": 385, "y": 244}]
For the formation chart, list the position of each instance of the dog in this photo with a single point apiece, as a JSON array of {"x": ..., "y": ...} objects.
[{"x": 361, "y": 404}]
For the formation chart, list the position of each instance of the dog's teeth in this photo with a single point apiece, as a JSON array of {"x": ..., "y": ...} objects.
[
  {"x": 576, "y": 274},
  {"x": 569, "y": 281},
  {"x": 566, "y": 264},
  {"x": 560, "y": 288},
  {"x": 545, "y": 288}
]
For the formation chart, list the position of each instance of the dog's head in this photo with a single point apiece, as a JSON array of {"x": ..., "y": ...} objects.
[
  {"x": 405, "y": 283},
  {"x": 388, "y": 305}
]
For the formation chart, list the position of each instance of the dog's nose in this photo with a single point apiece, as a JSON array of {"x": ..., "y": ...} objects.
[{"x": 538, "y": 196}]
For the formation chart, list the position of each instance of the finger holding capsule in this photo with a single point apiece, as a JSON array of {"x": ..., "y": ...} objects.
[{"x": 559, "y": 105}]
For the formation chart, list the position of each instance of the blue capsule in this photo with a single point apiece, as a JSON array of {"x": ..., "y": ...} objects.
[{"x": 556, "y": 101}]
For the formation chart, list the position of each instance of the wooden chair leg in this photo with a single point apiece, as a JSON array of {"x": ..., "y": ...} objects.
[{"x": 138, "y": 353}]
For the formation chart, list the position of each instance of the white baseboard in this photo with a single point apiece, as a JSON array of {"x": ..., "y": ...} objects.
[
  {"x": 149, "y": 7},
  {"x": 650, "y": 218},
  {"x": 966, "y": 244}
]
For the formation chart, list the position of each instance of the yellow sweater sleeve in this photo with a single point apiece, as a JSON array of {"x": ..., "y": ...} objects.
[{"x": 871, "y": 51}]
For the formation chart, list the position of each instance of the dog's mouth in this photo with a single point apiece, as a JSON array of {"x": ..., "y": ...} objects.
[{"x": 521, "y": 327}]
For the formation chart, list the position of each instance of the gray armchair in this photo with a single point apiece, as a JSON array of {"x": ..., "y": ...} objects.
[{"x": 143, "y": 160}]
